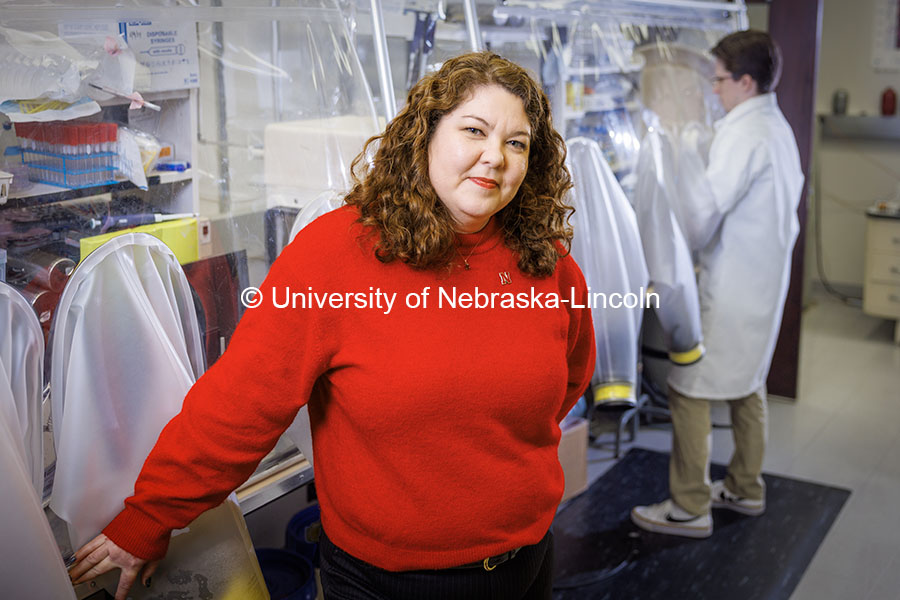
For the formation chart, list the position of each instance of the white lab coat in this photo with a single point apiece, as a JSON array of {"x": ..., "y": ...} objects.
[{"x": 744, "y": 222}]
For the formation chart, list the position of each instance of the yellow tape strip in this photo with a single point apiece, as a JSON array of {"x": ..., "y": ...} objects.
[
  {"x": 688, "y": 357},
  {"x": 613, "y": 391}
]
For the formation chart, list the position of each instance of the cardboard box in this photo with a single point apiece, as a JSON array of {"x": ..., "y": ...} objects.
[{"x": 573, "y": 455}]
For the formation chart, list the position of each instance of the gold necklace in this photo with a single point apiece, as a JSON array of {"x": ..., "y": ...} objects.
[{"x": 465, "y": 259}]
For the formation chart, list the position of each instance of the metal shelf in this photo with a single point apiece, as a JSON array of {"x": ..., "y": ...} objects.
[
  {"x": 42, "y": 193},
  {"x": 163, "y": 177},
  {"x": 680, "y": 13},
  {"x": 274, "y": 483},
  {"x": 604, "y": 69},
  {"x": 838, "y": 127},
  {"x": 155, "y": 97}
]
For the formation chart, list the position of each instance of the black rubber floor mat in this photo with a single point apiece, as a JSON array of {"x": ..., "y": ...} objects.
[{"x": 601, "y": 555}]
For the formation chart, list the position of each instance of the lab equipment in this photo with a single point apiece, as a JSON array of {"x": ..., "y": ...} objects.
[
  {"x": 137, "y": 101},
  {"x": 173, "y": 165},
  {"x": 607, "y": 246},
  {"x": 69, "y": 154},
  {"x": 668, "y": 257},
  {"x": 126, "y": 349},
  {"x": 31, "y": 565},
  {"x": 42, "y": 269},
  {"x": 179, "y": 235},
  {"x": 21, "y": 380},
  {"x": 116, "y": 221}
]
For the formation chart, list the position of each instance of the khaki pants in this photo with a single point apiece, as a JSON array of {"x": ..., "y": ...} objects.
[{"x": 689, "y": 481}]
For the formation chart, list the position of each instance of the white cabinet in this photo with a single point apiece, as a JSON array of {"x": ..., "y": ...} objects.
[{"x": 881, "y": 288}]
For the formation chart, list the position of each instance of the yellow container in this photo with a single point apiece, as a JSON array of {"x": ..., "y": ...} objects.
[{"x": 180, "y": 236}]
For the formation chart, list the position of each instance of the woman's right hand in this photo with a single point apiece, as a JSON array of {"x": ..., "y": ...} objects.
[{"x": 101, "y": 555}]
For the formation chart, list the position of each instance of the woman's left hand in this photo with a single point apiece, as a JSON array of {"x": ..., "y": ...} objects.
[{"x": 101, "y": 555}]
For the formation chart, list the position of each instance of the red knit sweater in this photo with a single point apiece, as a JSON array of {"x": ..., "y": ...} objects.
[{"x": 435, "y": 429}]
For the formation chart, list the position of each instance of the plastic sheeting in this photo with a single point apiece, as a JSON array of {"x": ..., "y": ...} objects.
[
  {"x": 39, "y": 67},
  {"x": 125, "y": 350},
  {"x": 607, "y": 247},
  {"x": 21, "y": 381},
  {"x": 325, "y": 203},
  {"x": 668, "y": 257},
  {"x": 693, "y": 187},
  {"x": 611, "y": 67},
  {"x": 38, "y": 64},
  {"x": 679, "y": 109},
  {"x": 31, "y": 565},
  {"x": 680, "y": 106},
  {"x": 287, "y": 107},
  {"x": 675, "y": 86}
]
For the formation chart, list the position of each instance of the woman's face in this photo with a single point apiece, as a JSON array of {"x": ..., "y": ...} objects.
[{"x": 478, "y": 156}]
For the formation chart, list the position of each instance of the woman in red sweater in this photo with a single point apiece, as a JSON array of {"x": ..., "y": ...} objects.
[{"x": 436, "y": 327}]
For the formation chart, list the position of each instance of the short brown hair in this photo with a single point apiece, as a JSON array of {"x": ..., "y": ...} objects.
[
  {"x": 752, "y": 53},
  {"x": 395, "y": 195}
]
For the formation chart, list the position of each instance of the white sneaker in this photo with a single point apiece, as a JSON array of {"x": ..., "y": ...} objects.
[
  {"x": 668, "y": 517},
  {"x": 722, "y": 498}
]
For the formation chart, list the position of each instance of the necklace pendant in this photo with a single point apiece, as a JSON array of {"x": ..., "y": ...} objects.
[{"x": 466, "y": 263}]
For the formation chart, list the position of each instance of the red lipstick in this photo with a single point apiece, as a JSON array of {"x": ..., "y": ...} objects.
[{"x": 482, "y": 182}]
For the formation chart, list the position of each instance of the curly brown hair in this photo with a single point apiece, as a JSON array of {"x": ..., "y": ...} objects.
[{"x": 394, "y": 194}]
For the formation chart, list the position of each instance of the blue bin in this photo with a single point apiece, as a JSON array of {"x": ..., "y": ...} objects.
[
  {"x": 288, "y": 575},
  {"x": 302, "y": 534}
]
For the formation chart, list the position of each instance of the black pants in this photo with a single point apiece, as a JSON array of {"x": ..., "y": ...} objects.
[{"x": 528, "y": 576}]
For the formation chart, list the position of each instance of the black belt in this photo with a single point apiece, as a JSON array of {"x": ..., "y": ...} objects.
[{"x": 491, "y": 562}]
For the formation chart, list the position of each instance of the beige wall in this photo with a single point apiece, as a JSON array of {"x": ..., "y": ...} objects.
[
  {"x": 758, "y": 15},
  {"x": 853, "y": 174}
]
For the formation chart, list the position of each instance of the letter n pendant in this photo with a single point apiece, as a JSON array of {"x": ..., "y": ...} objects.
[{"x": 505, "y": 279}]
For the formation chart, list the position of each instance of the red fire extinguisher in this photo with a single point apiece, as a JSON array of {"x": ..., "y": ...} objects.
[{"x": 888, "y": 102}]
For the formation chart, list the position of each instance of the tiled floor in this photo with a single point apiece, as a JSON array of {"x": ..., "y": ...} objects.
[{"x": 844, "y": 430}]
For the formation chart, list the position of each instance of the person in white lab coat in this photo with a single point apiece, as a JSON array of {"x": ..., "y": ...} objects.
[{"x": 743, "y": 222}]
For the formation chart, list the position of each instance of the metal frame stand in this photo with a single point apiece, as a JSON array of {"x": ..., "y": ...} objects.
[{"x": 627, "y": 414}]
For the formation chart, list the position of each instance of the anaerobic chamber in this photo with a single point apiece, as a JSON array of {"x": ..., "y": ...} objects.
[
  {"x": 210, "y": 125},
  {"x": 188, "y": 123}
]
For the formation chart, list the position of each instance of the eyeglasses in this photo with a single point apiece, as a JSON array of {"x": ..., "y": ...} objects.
[{"x": 717, "y": 79}]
